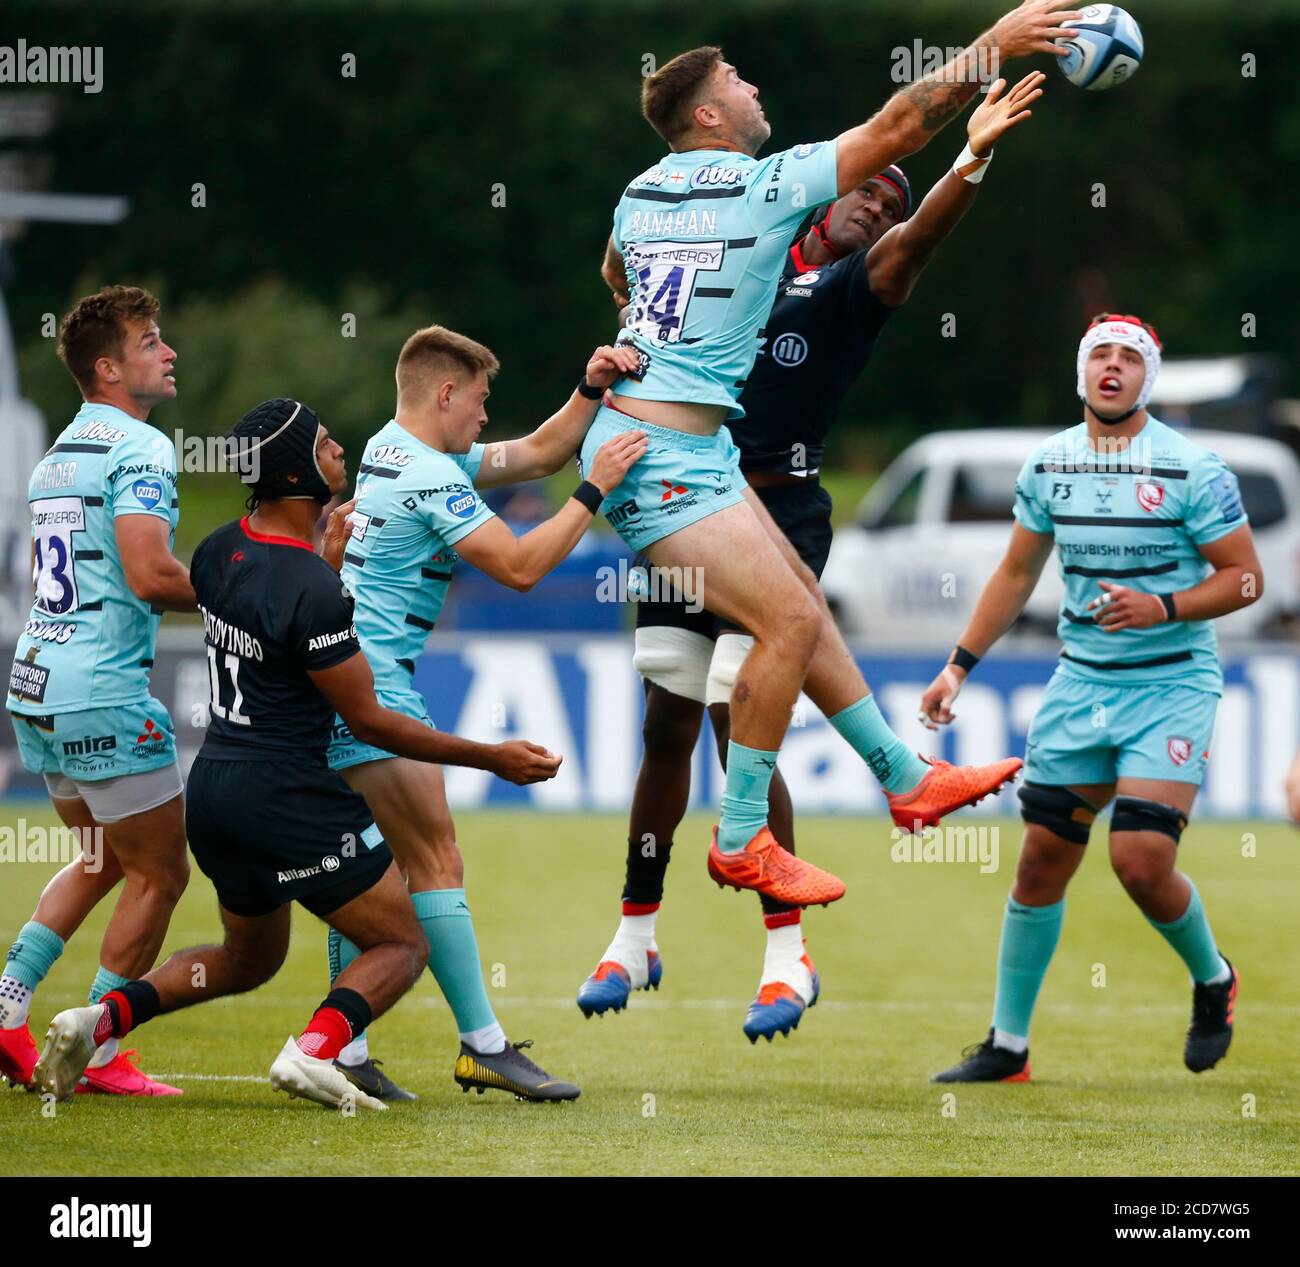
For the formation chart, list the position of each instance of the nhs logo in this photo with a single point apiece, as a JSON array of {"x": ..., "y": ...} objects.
[{"x": 147, "y": 492}]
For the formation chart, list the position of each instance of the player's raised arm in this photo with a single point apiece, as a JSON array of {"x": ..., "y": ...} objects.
[
  {"x": 545, "y": 450},
  {"x": 898, "y": 259},
  {"x": 1002, "y": 600},
  {"x": 520, "y": 562},
  {"x": 350, "y": 687},
  {"x": 914, "y": 114}
]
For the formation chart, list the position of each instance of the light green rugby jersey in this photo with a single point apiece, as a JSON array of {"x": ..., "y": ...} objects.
[
  {"x": 1133, "y": 518},
  {"x": 413, "y": 504}
]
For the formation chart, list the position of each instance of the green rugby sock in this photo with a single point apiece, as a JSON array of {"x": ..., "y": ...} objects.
[
  {"x": 1192, "y": 940},
  {"x": 104, "y": 982},
  {"x": 33, "y": 954},
  {"x": 453, "y": 956},
  {"x": 744, "y": 803},
  {"x": 1029, "y": 937},
  {"x": 867, "y": 732},
  {"x": 30, "y": 958}
]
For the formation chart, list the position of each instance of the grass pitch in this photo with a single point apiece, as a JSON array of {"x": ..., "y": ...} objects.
[{"x": 671, "y": 1086}]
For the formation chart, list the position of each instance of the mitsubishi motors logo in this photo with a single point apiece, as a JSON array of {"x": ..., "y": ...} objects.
[
  {"x": 671, "y": 490},
  {"x": 151, "y": 733}
]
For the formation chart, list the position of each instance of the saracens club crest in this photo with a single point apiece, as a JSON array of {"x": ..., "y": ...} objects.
[
  {"x": 1150, "y": 496},
  {"x": 1180, "y": 750}
]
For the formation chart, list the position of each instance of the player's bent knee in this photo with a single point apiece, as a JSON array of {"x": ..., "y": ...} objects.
[
  {"x": 254, "y": 964},
  {"x": 793, "y": 627},
  {"x": 418, "y": 952},
  {"x": 729, "y": 652},
  {"x": 675, "y": 659},
  {"x": 1141, "y": 875},
  {"x": 1135, "y": 813},
  {"x": 1063, "y": 812},
  {"x": 1044, "y": 867}
]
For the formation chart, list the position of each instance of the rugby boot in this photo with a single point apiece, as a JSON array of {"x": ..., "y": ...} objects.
[{"x": 947, "y": 787}]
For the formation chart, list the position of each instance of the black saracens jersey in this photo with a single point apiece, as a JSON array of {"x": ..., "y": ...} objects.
[
  {"x": 818, "y": 338},
  {"x": 272, "y": 610}
]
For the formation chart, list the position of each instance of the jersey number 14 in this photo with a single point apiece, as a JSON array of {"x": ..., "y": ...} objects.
[{"x": 666, "y": 273}]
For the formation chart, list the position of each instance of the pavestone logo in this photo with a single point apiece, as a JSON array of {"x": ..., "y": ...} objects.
[{"x": 24, "y": 63}]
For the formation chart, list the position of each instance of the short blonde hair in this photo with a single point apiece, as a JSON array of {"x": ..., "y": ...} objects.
[{"x": 435, "y": 352}]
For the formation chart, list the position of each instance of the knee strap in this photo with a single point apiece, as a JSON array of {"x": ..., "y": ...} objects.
[
  {"x": 1058, "y": 809},
  {"x": 729, "y": 652},
  {"x": 1133, "y": 813},
  {"x": 675, "y": 659}
]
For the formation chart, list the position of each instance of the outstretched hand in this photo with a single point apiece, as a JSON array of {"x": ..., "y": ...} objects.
[
  {"x": 1032, "y": 28},
  {"x": 1000, "y": 111},
  {"x": 521, "y": 762}
]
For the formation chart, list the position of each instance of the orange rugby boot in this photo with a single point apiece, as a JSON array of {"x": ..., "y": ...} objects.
[
  {"x": 947, "y": 787},
  {"x": 764, "y": 866}
]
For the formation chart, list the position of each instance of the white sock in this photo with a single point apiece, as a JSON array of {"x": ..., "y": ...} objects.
[
  {"x": 15, "y": 1002},
  {"x": 104, "y": 1054},
  {"x": 489, "y": 1040},
  {"x": 635, "y": 936},
  {"x": 1010, "y": 1042},
  {"x": 783, "y": 960},
  {"x": 357, "y": 1052},
  {"x": 1222, "y": 975}
]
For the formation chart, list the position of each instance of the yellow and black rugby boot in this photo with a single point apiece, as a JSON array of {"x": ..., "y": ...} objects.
[{"x": 509, "y": 1070}]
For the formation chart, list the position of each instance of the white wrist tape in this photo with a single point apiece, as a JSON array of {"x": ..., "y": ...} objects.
[{"x": 970, "y": 168}]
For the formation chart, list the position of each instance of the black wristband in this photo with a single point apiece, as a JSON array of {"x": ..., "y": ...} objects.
[
  {"x": 588, "y": 392},
  {"x": 589, "y": 495},
  {"x": 963, "y": 659},
  {"x": 1171, "y": 612}
]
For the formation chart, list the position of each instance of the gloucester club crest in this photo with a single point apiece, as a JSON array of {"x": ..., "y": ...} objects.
[{"x": 1150, "y": 496}]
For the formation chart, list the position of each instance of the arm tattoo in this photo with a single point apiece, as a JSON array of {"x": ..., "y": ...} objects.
[{"x": 942, "y": 96}]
